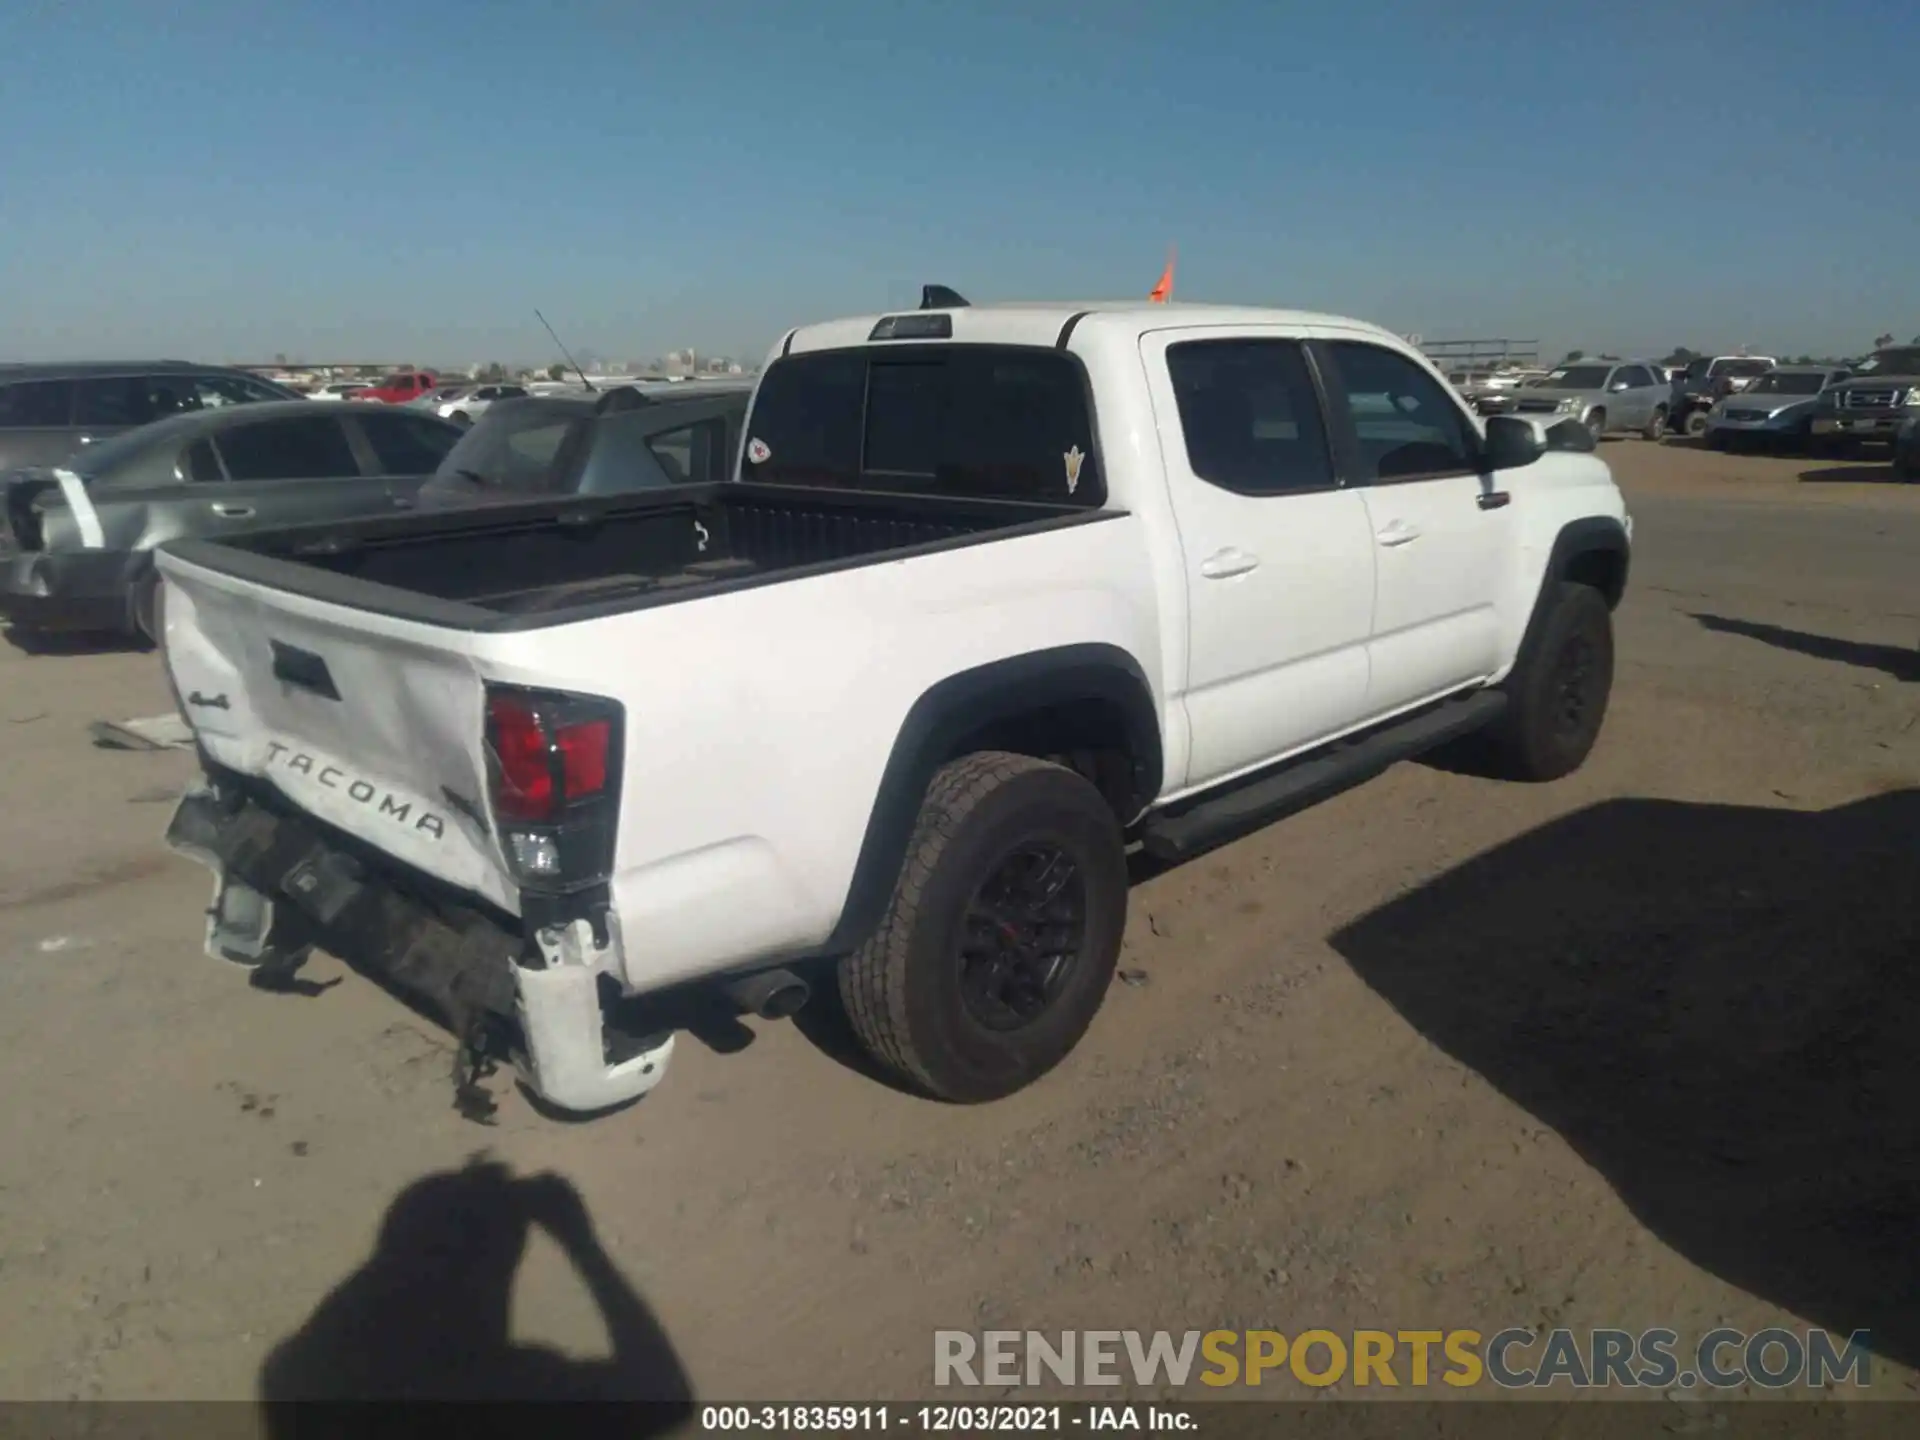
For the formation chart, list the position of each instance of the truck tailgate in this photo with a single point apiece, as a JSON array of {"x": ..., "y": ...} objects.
[{"x": 372, "y": 725}]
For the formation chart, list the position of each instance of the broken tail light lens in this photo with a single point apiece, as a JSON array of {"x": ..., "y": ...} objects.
[{"x": 553, "y": 782}]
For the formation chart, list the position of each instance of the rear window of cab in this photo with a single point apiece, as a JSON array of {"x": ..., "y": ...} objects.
[{"x": 992, "y": 421}]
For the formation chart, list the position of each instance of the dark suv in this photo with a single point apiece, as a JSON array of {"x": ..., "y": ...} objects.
[
  {"x": 49, "y": 412},
  {"x": 1871, "y": 406}
]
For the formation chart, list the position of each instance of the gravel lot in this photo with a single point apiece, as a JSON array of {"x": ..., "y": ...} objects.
[{"x": 1633, "y": 1049}]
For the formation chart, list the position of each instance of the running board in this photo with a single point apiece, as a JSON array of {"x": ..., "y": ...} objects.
[{"x": 1316, "y": 777}]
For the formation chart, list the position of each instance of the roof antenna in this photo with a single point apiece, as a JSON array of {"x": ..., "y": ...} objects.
[
  {"x": 570, "y": 360},
  {"x": 939, "y": 297}
]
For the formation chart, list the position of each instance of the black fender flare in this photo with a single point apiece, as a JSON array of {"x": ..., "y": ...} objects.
[
  {"x": 963, "y": 704},
  {"x": 1592, "y": 534}
]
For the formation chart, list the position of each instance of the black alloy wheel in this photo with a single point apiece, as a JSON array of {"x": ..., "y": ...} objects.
[{"x": 1025, "y": 928}]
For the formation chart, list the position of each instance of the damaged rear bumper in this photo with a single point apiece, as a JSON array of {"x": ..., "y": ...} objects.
[{"x": 284, "y": 883}]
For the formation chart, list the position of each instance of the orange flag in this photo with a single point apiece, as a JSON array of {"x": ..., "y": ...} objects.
[{"x": 1160, "y": 293}]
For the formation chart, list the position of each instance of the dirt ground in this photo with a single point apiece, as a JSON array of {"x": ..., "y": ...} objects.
[{"x": 1633, "y": 1049}]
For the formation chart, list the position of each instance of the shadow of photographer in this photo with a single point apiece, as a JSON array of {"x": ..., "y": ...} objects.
[{"x": 426, "y": 1318}]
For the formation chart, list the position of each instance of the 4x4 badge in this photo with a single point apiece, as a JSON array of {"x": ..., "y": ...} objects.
[{"x": 1073, "y": 458}]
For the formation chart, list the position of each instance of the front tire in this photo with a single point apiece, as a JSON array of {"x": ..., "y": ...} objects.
[
  {"x": 1000, "y": 940},
  {"x": 1597, "y": 425},
  {"x": 1696, "y": 424},
  {"x": 1657, "y": 426},
  {"x": 1557, "y": 701}
]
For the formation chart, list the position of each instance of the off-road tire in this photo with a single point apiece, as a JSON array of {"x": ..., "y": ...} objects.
[
  {"x": 1532, "y": 739},
  {"x": 1657, "y": 427},
  {"x": 902, "y": 988},
  {"x": 1696, "y": 425}
]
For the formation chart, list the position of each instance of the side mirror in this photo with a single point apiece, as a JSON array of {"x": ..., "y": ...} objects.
[
  {"x": 1512, "y": 442},
  {"x": 1617, "y": 386}
]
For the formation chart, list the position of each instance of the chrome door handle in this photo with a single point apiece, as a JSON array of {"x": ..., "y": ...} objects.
[
  {"x": 402, "y": 502},
  {"x": 1397, "y": 533},
  {"x": 233, "y": 512},
  {"x": 1228, "y": 563}
]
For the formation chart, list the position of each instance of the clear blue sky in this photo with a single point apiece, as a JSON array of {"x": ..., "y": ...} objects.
[{"x": 391, "y": 178}]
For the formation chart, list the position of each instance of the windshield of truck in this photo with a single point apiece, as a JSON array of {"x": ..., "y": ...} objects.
[
  {"x": 1904, "y": 360},
  {"x": 989, "y": 421},
  {"x": 1577, "y": 377},
  {"x": 1789, "y": 382},
  {"x": 1740, "y": 369}
]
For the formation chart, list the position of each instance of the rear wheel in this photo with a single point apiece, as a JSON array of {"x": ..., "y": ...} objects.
[
  {"x": 1000, "y": 940},
  {"x": 1557, "y": 700},
  {"x": 460, "y": 417}
]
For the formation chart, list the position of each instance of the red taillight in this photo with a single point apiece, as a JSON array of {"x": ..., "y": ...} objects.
[
  {"x": 523, "y": 780},
  {"x": 542, "y": 761},
  {"x": 583, "y": 757}
]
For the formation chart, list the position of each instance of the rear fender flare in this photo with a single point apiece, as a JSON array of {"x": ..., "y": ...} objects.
[{"x": 957, "y": 707}]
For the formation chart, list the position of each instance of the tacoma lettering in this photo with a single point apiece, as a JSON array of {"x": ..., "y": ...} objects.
[{"x": 363, "y": 792}]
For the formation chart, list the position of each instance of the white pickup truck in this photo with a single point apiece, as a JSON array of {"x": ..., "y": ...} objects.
[{"x": 998, "y": 593}]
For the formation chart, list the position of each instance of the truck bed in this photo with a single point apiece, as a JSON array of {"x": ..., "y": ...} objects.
[{"x": 552, "y": 561}]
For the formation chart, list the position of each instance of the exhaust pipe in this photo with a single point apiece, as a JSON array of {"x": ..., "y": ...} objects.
[{"x": 770, "y": 994}]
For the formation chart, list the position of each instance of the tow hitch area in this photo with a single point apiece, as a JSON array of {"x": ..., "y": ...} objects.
[{"x": 282, "y": 886}]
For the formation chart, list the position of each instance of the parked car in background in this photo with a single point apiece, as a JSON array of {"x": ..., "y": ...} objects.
[
  {"x": 1872, "y": 404},
  {"x": 432, "y": 399},
  {"x": 463, "y": 404},
  {"x": 400, "y": 387},
  {"x": 339, "y": 389},
  {"x": 76, "y": 549},
  {"x": 622, "y": 440},
  {"x": 1707, "y": 380},
  {"x": 47, "y": 412},
  {"x": 1775, "y": 411},
  {"x": 1607, "y": 397}
]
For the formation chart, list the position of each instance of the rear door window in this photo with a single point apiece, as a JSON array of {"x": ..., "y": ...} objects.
[
  {"x": 30, "y": 404},
  {"x": 1250, "y": 416},
  {"x": 405, "y": 444},
  {"x": 981, "y": 420},
  {"x": 296, "y": 448},
  {"x": 201, "y": 464}
]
